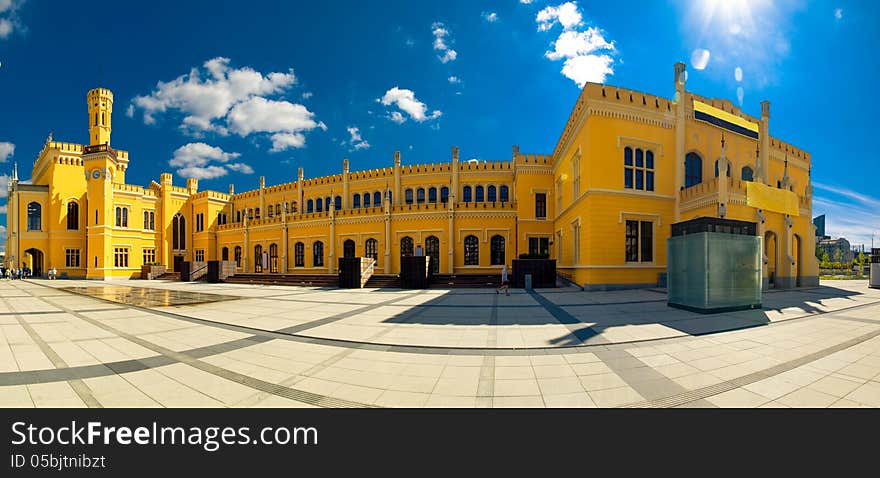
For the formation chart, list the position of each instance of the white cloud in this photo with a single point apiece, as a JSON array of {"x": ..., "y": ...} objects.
[
  {"x": 587, "y": 53},
  {"x": 9, "y": 21},
  {"x": 200, "y": 161},
  {"x": 307, "y": 94},
  {"x": 357, "y": 142},
  {"x": 566, "y": 14},
  {"x": 490, "y": 17},
  {"x": 283, "y": 141},
  {"x": 440, "y": 33},
  {"x": 838, "y": 13},
  {"x": 525, "y": 1},
  {"x": 406, "y": 101},
  {"x": 129, "y": 111},
  {"x": 4, "y": 181},
  {"x": 261, "y": 115},
  {"x": 222, "y": 99},
  {"x": 6, "y": 152},
  {"x": 571, "y": 44},
  {"x": 454, "y": 80},
  {"x": 396, "y": 117},
  {"x": 3, "y": 209},
  {"x": 588, "y": 68}
]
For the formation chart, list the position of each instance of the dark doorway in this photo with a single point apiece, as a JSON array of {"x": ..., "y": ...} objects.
[
  {"x": 348, "y": 248},
  {"x": 36, "y": 261},
  {"x": 178, "y": 260},
  {"x": 432, "y": 250}
]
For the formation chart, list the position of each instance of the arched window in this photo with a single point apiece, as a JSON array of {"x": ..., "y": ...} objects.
[
  {"x": 693, "y": 170},
  {"x": 318, "y": 254},
  {"x": 35, "y": 216},
  {"x": 310, "y": 206},
  {"x": 299, "y": 255},
  {"x": 491, "y": 193},
  {"x": 432, "y": 250},
  {"x": 466, "y": 194},
  {"x": 319, "y": 205},
  {"x": 337, "y": 203},
  {"x": 178, "y": 232},
  {"x": 444, "y": 194},
  {"x": 250, "y": 214},
  {"x": 118, "y": 217},
  {"x": 273, "y": 258},
  {"x": 348, "y": 248},
  {"x": 496, "y": 256},
  {"x": 377, "y": 199},
  {"x": 73, "y": 216},
  {"x": 638, "y": 173},
  {"x": 366, "y": 199},
  {"x": 408, "y": 196},
  {"x": 237, "y": 256},
  {"x": 293, "y": 206},
  {"x": 256, "y": 213},
  {"x": 270, "y": 211},
  {"x": 628, "y": 168},
  {"x": 371, "y": 249},
  {"x": 406, "y": 246},
  {"x": 327, "y": 203},
  {"x": 479, "y": 194},
  {"x": 224, "y": 254},
  {"x": 432, "y": 195},
  {"x": 471, "y": 251},
  {"x": 504, "y": 193},
  {"x": 420, "y": 195},
  {"x": 125, "y": 217},
  {"x": 356, "y": 201},
  {"x": 237, "y": 216},
  {"x": 716, "y": 168},
  {"x": 258, "y": 258},
  {"x": 748, "y": 174}
]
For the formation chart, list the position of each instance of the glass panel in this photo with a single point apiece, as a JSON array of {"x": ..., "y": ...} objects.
[
  {"x": 640, "y": 158},
  {"x": 632, "y": 241},
  {"x": 628, "y": 178},
  {"x": 649, "y": 181},
  {"x": 640, "y": 179},
  {"x": 649, "y": 159},
  {"x": 628, "y": 157}
]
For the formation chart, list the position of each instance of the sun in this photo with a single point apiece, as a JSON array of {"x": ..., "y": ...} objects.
[{"x": 733, "y": 17}]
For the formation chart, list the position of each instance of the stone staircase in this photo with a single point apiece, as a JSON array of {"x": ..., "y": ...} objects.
[
  {"x": 169, "y": 276},
  {"x": 309, "y": 280},
  {"x": 381, "y": 281}
]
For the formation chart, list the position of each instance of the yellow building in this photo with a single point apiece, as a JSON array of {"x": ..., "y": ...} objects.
[{"x": 626, "y": 167}]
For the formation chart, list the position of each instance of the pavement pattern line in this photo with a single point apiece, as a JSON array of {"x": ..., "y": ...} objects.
[
  {"x": 79, "y": 387},
  {"x": 342, "y": 315},
  {"x": 726, "y": 386},
  {"x": 645, "y": 380},
  {"x": 302, "y": 396}
]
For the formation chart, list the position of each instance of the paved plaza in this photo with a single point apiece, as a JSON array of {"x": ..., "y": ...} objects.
[{"x": 137, "y": 343}]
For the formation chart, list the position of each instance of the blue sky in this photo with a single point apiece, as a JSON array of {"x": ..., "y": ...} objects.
[{"x": 228, "y": 91}]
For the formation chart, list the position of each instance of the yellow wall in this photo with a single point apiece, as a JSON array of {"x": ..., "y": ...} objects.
[{"x": 583, "y": 181}]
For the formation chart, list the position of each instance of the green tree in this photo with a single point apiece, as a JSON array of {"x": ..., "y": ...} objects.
[{"x": 838, "y": 257}]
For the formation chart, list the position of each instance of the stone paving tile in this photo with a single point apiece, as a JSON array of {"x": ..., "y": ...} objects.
[
  {"x": 533, "y": 401},
  {"x": 836, "y": 385},
  {"x": 738, "y": 398},
  {"x": 868, "y": 394},
  {"x": 398, "y": 399},
  {"x": 569, "y": 400},
  {"x": 807, "y": 398},
  {"x": 516, "y": 388},
  {"x": 602, "y": 381},
  {"x": 614, "y": 397},
  {"x": 15, "y": 396}
]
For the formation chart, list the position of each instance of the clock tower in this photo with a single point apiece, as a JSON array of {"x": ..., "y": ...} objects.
[{"x": 100, "y": 164}]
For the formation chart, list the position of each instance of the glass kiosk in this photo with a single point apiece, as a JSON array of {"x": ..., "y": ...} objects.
[{"x": 714, "y": 265}]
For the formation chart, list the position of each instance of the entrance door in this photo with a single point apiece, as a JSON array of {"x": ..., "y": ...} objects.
[
  {"x": 178, "y": 260},
  {"x": 432, "y": 250},
  {"x": 348, "y": 248},
  {"x": 36, "y": 264},
  {"x": 770, "y": 246}
]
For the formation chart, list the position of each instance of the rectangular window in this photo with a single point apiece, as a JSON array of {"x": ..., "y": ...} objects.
[
  {"x": 639, "y": 241},
  {"x": 576, "y": 178},
  {"x": 541, "y": 205},
  {"x": 576, "y": 242},
  {"x": 539, "y": 246},
  {"x": 71, "y": 257},
  {"x": 647, "y": 241},
  {"x": 632, "y": 241},
  {"x": 200, "y": 255},
  {"x": 149, "y": 255},
  {"x": 120, "y": 257},
  {"x": 152, "y": 221},
  {"x": 638, "y": 174},
  {"x": 558, "y": 196}
]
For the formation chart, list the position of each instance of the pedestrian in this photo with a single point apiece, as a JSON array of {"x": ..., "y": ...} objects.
[{"x": 505, "y": 283}]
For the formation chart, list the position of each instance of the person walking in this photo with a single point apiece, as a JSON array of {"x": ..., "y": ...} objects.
[{"x": 505, "y": 283}]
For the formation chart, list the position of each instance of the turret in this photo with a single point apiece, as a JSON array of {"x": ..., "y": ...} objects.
[{"x": 100, "y": 103}]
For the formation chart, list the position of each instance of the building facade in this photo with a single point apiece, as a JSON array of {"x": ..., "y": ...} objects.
[{"x": 626, "y": 167}]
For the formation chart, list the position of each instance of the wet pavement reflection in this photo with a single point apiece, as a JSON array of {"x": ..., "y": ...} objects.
[{"x": 147, "y": 297}]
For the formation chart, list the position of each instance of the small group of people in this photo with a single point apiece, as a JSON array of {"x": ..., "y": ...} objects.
[{"x": 13, "y": 272}]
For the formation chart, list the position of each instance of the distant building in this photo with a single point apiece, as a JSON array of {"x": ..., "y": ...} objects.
[
  {"x": 819, "y": 222},
  {"x": 840, "y": 244}
]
